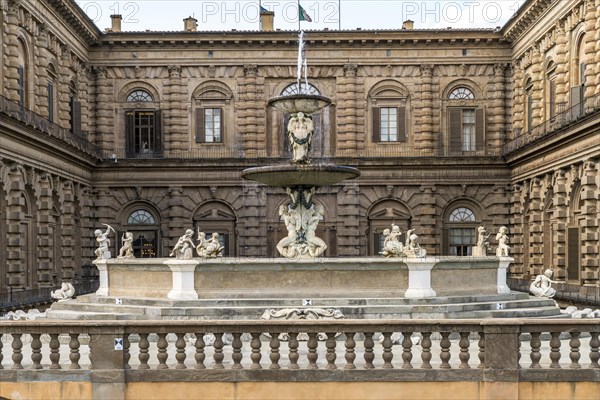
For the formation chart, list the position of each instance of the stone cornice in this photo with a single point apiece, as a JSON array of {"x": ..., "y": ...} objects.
[
  {"x": 525, "y": 18},
  {"x": 74, "y": 17},
  {"x": 356, "y": 38}
]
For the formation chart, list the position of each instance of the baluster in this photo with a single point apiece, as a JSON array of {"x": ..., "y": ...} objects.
[
  {"x": 445, "y": 353},
  {"x": 387, "y": 355},
  {"x": 162, "y": 351},
  {"x": 200, "y": 355},
  {"x": 312, "y": 351},
  {"x": 218, "y": 356},
  {"x": 274, "y": 355},
  {"x": 293, "y": 346},
  {"x": 36, "y": 350},
  {"x": 236, "y": 344},
  {"x": 180, "y": 355},
  {"x": 74, "y": 353},
  {"x": 126, "y": 351},
  {"x": 1, "y": 356},
  {"x": 350, "y": 354},
  {"x": 535, "y": 350},
  {"x": 426, "y": 352},
  {"x": 369, "y": 355},
  {"x": 17, "y": 355},
  {"x": 464, "y": 355},
  {"x": 574, "y": 343},
  {"x": 144, "y": 352},
  {"x": 594, "y": 347},
  {"x": 255, "y": 356},
  {"x": 330, "y": 345},
  {"x": 554, "y": 349},
  {"x": 406, "y": 350},
  {"x": 519, "y": 350},
  {"x": 54, "y": 351},
  {"x": 481, "y": 354}
]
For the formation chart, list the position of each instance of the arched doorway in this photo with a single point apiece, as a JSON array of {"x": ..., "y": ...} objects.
[
  {"x": 381, "y": 216},
  {"x": 218, "y": 217}
]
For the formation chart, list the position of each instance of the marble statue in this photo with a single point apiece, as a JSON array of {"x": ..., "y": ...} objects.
[
  {"x": 66, "y": 292},
  {"x": 542, "y": 285},
  {"x": 292, "y": 221},
  {"x": 502, "y": 238},
  {"x": 126, "y": 250},
  {"x": 480, "y": 250},
  {"x": 183, "y": 247},
  {"x": 300, "y": 130},
  {"x": 316, "y": 246},
  {"x": 202, "y": 242},
  {"x": 392, "y": 246},
  {"x": 412, "y": 247},
  {"x": 213, "y": 247},
  {"x": 103, "y": 252}
]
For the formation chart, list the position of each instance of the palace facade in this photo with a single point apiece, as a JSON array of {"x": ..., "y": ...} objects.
[{"x": 149, "y": 132}]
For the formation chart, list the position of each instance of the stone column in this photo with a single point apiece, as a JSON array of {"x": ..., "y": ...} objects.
[
  {"x": 562, "y": 64},
  {"x": 495, "y": 134},
  {"x": 11, "y": 51},
  {"x": 67, "y": 226},
  {"x": 516, "y": 211},
  {"x": 561, "y": 215},
  {"x": 104, "y": 121},
  {"x": 41, "y": 73},
  {"x": 425, "y": 139},
  {"x": 517, "y": 99},
  {"x": 589, "y": 48},
  {"x": 347, "y": 110},
  {"x": 536, "y": 232},
  {"x": 349, "y": 221},
  {"x": 16, "y": 249},
  {"x": 537, "y": 77},
  {"x": 426, "y": 217},
  {"x": 250, "y": 111},
  {"x": 45, "y": 230},
  {"x": 175, "y": 115},
  {"x": 589, "y": 228}
]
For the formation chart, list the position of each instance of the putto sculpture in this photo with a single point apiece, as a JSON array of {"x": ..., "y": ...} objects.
[
  {"x": 103, "y": 252},
  {"x": 413, "y": 248},
  {"x": 210, "y": 248},
  {"x": 502, "y": 238},
  {"x": 126, "y": 250},
  {"x": 392, "y": 246},
  {"x": 66, "y": 292},
  {"x": 300, "y": 131},
  {"x": 480, "y": 250},
  {"x": 183, "y": 249},
  {"x": 542, "y": 285}
]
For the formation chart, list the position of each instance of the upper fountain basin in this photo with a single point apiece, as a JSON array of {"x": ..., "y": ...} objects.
[
  {"x": 300, "y": 174},
  {"x": 306, "y": 103}
]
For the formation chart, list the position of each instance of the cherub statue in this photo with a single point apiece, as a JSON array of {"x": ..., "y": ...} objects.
[
  {"x": 480, "y": 250},
  {"x": 66, "y": 292},
  {"x": 542, "y": 285},
  {"x": 316, "y": 246},
  {"x": 291, "y": 218},
  {"x": 300, "y": 131},
  {"x": 183, "y": 247},
  {"x": 413, "y": 248},
  {"x": 213, "y": 246},
  {"x": 202, "y": 242},
  {"x": 392, "y": 246},
  {"x": 502, "y": 238},
  {"x": 103, "y": 252},
  {"x": 126, "y": 251}
]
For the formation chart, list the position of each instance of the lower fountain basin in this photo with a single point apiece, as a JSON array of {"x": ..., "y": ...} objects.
[{"x": 289, "y": 175}]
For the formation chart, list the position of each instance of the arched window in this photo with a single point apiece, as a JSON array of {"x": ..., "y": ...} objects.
[
  {"x": 388, "y": 102},
  {"x": 23, "y": 74},
  {"x": 143, "y": 134},
  {"x": 139, "y": 96},
  {"x": 461, "y": 93},
  {"x": 381, "y": 216},
  {"x": 551, "y": 90},
  {"x": 75, "y": 109},
  {"x": 466, "y": 121},
  {"x": 217, "y": 217},
  {"x": 294, "y": 88},
  {"x": 528, "y": 104},
  {"x": 578, "y": 75},
  {"x": 144, "y": 227},
  {"x": 51, "y": 92},
  {"x": 213, "y": 107},
  {"x": 460, "y": 235}
]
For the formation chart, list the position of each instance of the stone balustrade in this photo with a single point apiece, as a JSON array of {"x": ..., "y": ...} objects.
[{"x": 118, "y": 355}]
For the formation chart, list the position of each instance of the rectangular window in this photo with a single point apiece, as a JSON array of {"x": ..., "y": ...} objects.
[
  {"x": 209, "y": 125},
  {"x": 529, "y": 111},
  {"x": 552, "y": 94},
  {"x": 75, "y": 116},
  {"x": 461, "y": 241},
  {"x": 50, "y": 102},
  {"x": 468, "y": 130},
  {"x": 20, "y": 85},
  {"x": 143, "y": 132},
  {"x": 389, "y": 124},
  {"x": 573, "y": 254}
]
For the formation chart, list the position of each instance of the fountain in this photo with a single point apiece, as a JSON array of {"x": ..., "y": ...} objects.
[
  {"x": 403, "y": 282},
  {"x": 300, "y": 178}
]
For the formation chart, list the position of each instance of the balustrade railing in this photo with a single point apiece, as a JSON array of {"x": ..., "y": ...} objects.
[{"x": 467, "y": 347}]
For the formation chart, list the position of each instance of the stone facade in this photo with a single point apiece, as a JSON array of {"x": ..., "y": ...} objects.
[{"x": 524, "y": 101}]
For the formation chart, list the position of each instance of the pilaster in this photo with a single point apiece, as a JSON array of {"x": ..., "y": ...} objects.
[
  {"x": 562, "y": 64},
  {"x": 537, "y": 78},
  {"x": 11, "y": 43},
  {"x": 63, "y": 87},
  {"x": 45, "y": 229},
  {"x": 589, "y": 48},
  {"x": 16, "y": 247},
  {"x": 347, "y": 110},
  {"x": 40, "y": 60},
  {"x": 67, "y": 232},
  {"x": 426, "y": 217},
  {"x": 349, "y": 220},
  {"x": 589, "y": 226},
  {"x": 424, "y": 139},
  {"x": 495, "y": 132},
  {"x": 104, "y": 126},
  {"x": 560, "y": 218},
  {"x": 536, "y": 232},
  {"x": 250, "y": 111},
  {"x": 174, "y": 127},
  {"x": 518, "y": 100},
  {"x": 516, "y": 269}
]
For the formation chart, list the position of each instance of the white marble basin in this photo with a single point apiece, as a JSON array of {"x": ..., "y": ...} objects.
[{"x": 305, "y": 103}]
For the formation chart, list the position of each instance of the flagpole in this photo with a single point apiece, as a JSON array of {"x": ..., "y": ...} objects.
[
  {"x": 259, "y": 18},
  {"x": 298, "y": 15},
  {"x": 339, "y": 15}
]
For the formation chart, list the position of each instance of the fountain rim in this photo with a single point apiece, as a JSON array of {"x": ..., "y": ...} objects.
[
  {"x": 300, "y": 174},
  {"x": 278, "y": 100}
]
